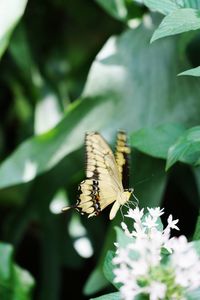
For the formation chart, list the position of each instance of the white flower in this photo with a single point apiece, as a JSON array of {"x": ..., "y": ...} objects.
[
  {"x": 140, "y": 268},
  {"x": 156, "y": 212},
  {"x": 157, "y": 290},
  {"x": 125, "y": 228},
  {"x": 150, "y": 222},
  {"x": 171, "y": 223},
  {"x": 135, "y": 214}
]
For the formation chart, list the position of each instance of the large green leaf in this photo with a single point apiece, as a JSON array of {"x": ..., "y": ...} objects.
[
  {"x": 165, "y": 6},
  {"x": 15, "y": 283},
  {"x": 10, "y": 13},
  {"x": 116, "y": 84},
  {"x": 186, "y": 149},
  {"x": 180, "y": 20},
  {"x": 45, "y": 151},
  {"x": 155, "y": 141}
]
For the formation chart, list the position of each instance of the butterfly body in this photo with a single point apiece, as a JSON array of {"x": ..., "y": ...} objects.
[{"x": 104, "y": 173}]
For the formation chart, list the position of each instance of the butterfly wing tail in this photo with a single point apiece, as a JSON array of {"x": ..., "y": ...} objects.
[{"x": 114, "y": 210}]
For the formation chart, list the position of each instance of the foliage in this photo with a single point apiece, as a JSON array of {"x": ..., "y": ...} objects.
[
  {"x": 15, "y": 283},
  {"x": 64, "y": 73}
]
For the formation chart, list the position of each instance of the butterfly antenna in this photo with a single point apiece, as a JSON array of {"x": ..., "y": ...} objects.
[
  {"x": 121, "y": 212},
  {"x": 137, "y": 201}
]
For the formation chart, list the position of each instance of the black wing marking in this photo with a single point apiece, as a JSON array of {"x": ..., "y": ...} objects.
[{"x": 122, "y": 153}]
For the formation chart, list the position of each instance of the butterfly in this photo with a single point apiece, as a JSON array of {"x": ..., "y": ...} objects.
[{"x": 106, "y": 176}]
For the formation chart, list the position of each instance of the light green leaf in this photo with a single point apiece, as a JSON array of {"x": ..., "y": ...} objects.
[
  {"x": 95, "y": 282},
  {"x": 164, "y": 7},
  {"x": 193, "y": 295},
  {"x": 23, "y": 284},
  {"x": 122, "y": 239},
  {"x": 6, "y": 251},
  {"x": 108, "y": 268},
  {"x": 196, "y": 245},
  {"x": 111, "y": 296},
  {"x": 117, "y": 8},
  {"x": 186, "y": 149},
  {"x": 191, "y": 72},
  {"x": 155, "y": 141},
  {"x": 10, "y": 13},
  {"x": 45, "y": 151},
  {"x": 15, "y": 283},
  {"x": 167, "y": 6},
  {"x": 180, "y": 20}
]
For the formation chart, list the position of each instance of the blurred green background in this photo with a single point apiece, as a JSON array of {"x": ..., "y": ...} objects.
[{"x": 68, "y": 67}]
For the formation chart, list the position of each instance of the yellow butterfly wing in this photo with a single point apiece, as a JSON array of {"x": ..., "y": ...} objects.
[
  {"x": 122, "y": 152},
  {"x": 103, "y": 184}
]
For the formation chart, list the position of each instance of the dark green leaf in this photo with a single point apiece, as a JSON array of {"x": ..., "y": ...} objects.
[
  {"x": 180, "y": 20},
  {"x": 186, "y": 149},
  {"x": 111, "y": 296},
  {"x": 156, "y": 141},
  {"x": 148, "y": 180}
]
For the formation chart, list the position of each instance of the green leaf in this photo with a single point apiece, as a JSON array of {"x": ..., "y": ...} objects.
[
  {"x": 111, "y": 296},
  {"x": 6, "y": 251},
  {"x": 95, "y": 282},
  {"x": 15, "y": 283},
  {"x": 122, "y": 239},
  {"x": 164, "y": 7},
  {"x": 196, "y": 235},
  {"x": 23, "y": 284},
  {"x": 41, "y": 153},
  {"x": 167, "y": 6},
  {"x": 193, "y": 295},
  {"x": 108, "y": 268},
  {"x": 116, "y": 8},
  {"x": 180, "y": 20},
  {"x": 148, "y": 179},
  {"x": 155, "y": 141},
  {"x": 196, "y": 245},
  {"x": 191, "y": 72},
  {"x": 11, "y": 12},
  {"x": 186, "y": 149}
]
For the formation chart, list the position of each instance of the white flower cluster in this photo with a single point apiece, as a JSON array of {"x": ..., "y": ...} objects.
[{"x": 153, "y": 264}]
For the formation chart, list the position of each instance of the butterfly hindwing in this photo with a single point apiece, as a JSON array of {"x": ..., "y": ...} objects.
[{"x": 122, "y": 152}]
